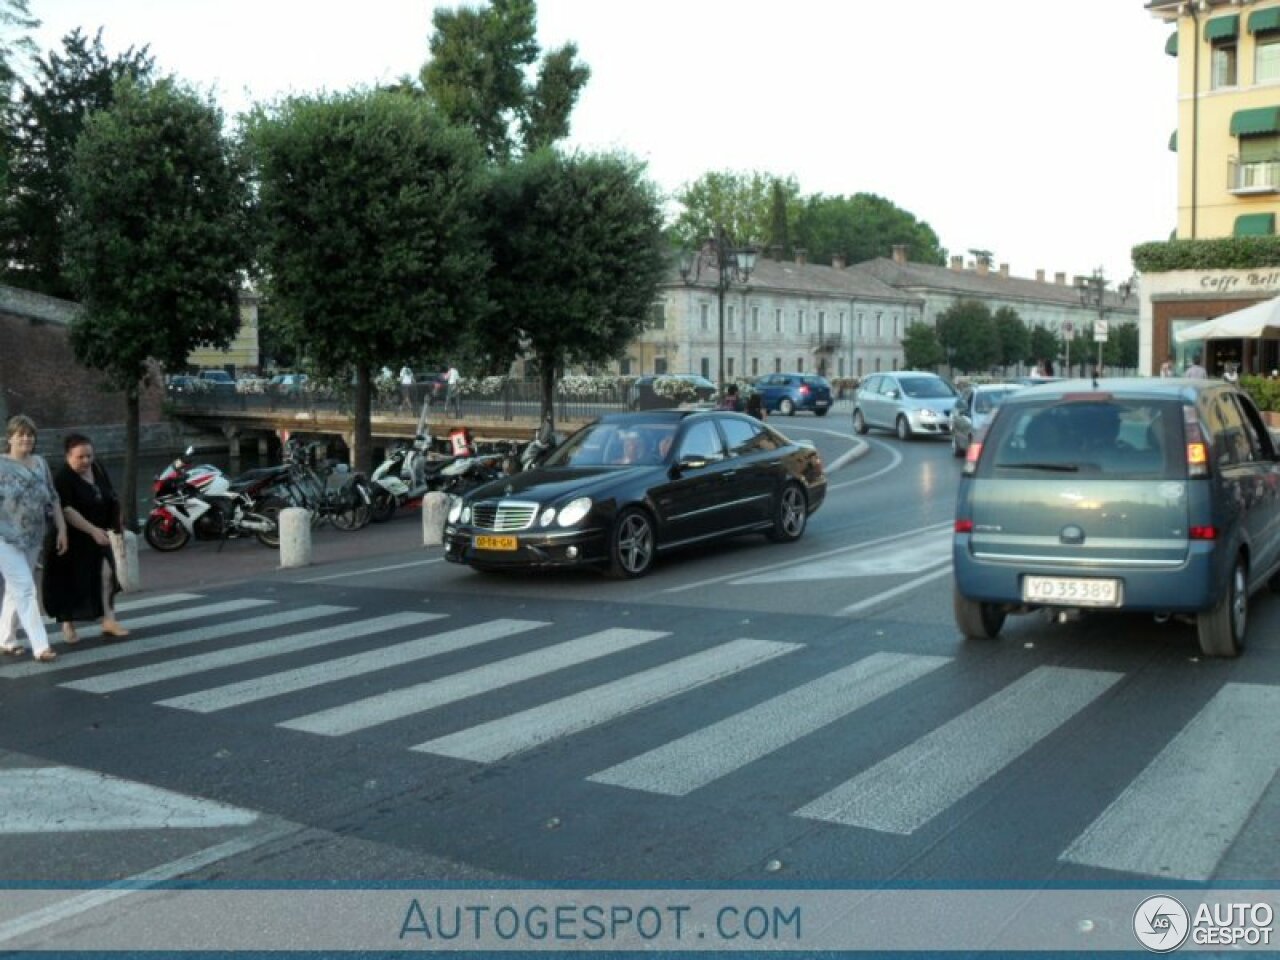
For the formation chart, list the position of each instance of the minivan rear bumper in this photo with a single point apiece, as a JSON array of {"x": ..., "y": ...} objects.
[{"x": 1190, "y": 587}]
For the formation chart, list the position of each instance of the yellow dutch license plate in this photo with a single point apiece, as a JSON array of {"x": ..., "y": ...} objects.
[{"x": 495, "y": 543}]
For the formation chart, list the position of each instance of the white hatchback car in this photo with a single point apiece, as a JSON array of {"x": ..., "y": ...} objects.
[{"x": 911, "y": 403}]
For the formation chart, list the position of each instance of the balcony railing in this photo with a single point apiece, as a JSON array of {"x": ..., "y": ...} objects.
[
  {"x": 826, "y": 342},
  {"x": 1257, "y": 177}
]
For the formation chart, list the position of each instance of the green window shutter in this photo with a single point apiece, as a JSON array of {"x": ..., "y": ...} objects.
[
  {"x": 1173, "y": 141},
  {"x": 1222, "y": 28},
  {"x": 1264, "y": 21},
  {"x": 1260, "y": 149},
  {"x": 1246, "y": 123},
  {"x": 1171, "y": 45},
  {"x": 1255, "y": 225}
]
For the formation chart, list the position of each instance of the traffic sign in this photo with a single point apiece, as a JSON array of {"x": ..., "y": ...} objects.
[
  {"x": 1068, "y": 327},
  {"x": 1100, "y": 331}
]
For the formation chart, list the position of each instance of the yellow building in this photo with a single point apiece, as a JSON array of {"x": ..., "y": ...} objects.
[
  {"x": 242, "y": 353},
  {"x": 1228, "y": 156}
]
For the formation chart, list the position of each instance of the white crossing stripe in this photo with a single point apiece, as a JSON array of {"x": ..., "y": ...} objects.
[
  {"x": 78, "y": 657},
  {"x": 693, "y": 761},
  {"x": 165, "y": 641},
  {"x": 176, "y": 616},
  {"x": 358, "y": 664},
  {"x": 905, "y": 791},
  {"x": 520, "y": 731},
  {"x": 396, "y": 704},
  {"x": 1178, "y": 817},
  {"x": 129, "y": 604},
  {"x": 245, "y": 653}
]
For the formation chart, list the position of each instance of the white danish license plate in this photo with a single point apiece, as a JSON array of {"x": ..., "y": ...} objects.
[{"x": 1071, "y": 591}]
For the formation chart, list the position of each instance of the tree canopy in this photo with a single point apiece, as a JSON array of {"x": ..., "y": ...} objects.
[
  {"x": 968, "y": 333},
  {"x": 746, "y": 204},
  {"x": 16, "y": 22},
  {"x": 49, "y": 117},
  {"x": 371, "y": 244},
  {"x": 862, "y": 227},
  {"x": 921, "y": 349},
  {"x": 478, "y": 75},
  {"x": 157, "y": 239},
  {"x": 577, "y": 253}
]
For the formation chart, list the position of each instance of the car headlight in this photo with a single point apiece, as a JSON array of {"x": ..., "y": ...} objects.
[
  {"x": 928, "y": 414},
  {"x": 574, "y": 511},
  {"x": 455, "y": 511},
  {"x": 548, "y": 515}
]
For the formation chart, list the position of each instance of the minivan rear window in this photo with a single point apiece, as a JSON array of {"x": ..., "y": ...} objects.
[{"x": 1100, "y": 436}]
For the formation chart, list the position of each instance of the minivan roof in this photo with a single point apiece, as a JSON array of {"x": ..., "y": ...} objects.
[{"x": 1167, "y": 387}]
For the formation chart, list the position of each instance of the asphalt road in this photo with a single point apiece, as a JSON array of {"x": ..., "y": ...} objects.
[{"x": 748, "y": 713}]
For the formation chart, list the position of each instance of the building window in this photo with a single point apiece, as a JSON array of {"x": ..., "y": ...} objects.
[
  {"x": 777, "y": 320},
  {"x": 658, "y": 316},
  {"x": 1224, "y": 65},
  {"x": 728, "y": 367},
  {"x": 879, "y": 327},
  {"x": 861, "y": 331},
  {"x": 841, "y": 322},
  {"x": 659, "y": 365},
  {"x": 799, "y": 364},
  {"x": 1266, "y": 58},
  {"x": 800, "y": 322},
  {"x": 705, "y": 368},
  {"x": 777, "y": 364},
  {"x": 704, "y": 310},
  {"x": 840, "y": 366},
  {"x": 624, "y": 367},
  {"x": 897, "y": 327},
  {"x": 877, "y": 364},
  {"x": 755, "y": 319},
  {"x": 822, "y": 322},
  {"x": 755, "y": 366},
  {"x": 729, "y": 317}
]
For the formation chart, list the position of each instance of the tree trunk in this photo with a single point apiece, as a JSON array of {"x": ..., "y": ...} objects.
[
  {"x": 547, "y": 375},
  {"x": 130, "y": 480},
  {"x": 362, "y": 449}
]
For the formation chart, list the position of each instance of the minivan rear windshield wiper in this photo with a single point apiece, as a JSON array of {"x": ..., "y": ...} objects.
[{"x": 1023, "y": 465}]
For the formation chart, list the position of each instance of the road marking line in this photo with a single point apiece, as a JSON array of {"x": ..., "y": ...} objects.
[
  {"x": 911, "y": 557},
  {"x": 1180, "y": 814},
  {"x": 141, "y": 603},
  {"x": 810, "y": 558},
  {"x": 246, "y": 653},
  {"x": 879, "y": 598},
  {"x": 397, "y": 704},
  {"x": 512, "y": 734},
  {"x": 361, "y": 573},
  {"x": 166, "y": 641},
  {"x": 695, "y": 760},
  {"x": 358, "y": 664},
  {"x": 903, "y": 792}
]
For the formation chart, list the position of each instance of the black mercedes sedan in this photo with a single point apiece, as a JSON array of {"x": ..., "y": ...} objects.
[{"x": 632, "y": 485}]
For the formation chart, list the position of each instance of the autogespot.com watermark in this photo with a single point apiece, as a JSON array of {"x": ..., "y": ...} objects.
[{"x": 1162, "y": 924}]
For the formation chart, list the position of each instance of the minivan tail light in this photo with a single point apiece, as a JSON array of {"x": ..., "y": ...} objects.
[
  {"x": 971, "y": 456},
  {"x": 1197, "y": 449},
  {"x": 1203, "y": 533},
  {"x": 964, "y": 526}
]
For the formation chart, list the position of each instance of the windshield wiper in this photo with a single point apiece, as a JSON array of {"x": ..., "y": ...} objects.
[{"x": 1059, "y": 467}]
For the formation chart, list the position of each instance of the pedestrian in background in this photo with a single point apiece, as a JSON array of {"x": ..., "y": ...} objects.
[
  {"x": 82, "y": 583},
  {"x": 1166, "y": 368},
  {"x": 406, "y": 388},
  {"x": 28, "y": 506},
  {"x": 731, "y": 400},
  {"x": 451, "y": 398},
  {"x": 755, "y": 406},
  {"x": 1195, "y": 371}
]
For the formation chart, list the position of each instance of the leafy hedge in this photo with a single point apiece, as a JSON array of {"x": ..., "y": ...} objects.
[
  {"x": 1219, "y": 253},
  {"x": 1265, "y": 392}
]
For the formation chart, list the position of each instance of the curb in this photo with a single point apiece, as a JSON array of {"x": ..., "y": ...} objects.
[{"x": 859, "y": 450}]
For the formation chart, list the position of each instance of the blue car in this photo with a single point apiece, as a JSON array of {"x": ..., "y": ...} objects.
[{"x": 786, "y": 393}]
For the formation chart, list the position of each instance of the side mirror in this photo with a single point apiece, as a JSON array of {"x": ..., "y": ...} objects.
[{"x": 892, "y": 394}]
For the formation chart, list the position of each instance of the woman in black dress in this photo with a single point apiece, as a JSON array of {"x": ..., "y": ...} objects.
[{"x": 81, "y": 584}]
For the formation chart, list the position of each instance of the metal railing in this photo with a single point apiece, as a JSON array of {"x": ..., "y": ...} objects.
[{"x": 1258, "y": 177}]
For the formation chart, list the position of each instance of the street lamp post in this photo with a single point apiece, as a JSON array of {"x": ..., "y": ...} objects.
[
  {"x": 730, "y": 265},
  {"x": 1093, "y": 294}
]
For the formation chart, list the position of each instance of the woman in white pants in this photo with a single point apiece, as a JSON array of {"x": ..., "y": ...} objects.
[{"x": 27, "y": 502}]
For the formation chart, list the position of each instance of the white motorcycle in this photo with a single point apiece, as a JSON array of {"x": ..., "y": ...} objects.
[{"x": 201, "y": 502}]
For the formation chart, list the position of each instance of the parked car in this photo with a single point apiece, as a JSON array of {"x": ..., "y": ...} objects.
[
  {"x": 287, "y": 382},
  {"x": 974, "y": 410},
  {"x": 181, "y": 383},
  {"x": 908, "y": 402},
  {"x": 648, "y": 394},
  {"x": 786, "y": 393},
  {"x": 632, "y": 485},
  {"x": 218, "y": 380},
  {"x": 1134, "y": 495}
]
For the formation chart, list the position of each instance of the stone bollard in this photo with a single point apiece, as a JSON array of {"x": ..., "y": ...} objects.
[
  {"x": 127, "y": 571},
  {"x": 295, "y": 537},
  {"x": 435, "y": 508}
]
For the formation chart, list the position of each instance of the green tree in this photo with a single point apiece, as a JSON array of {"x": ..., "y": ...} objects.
[
  {"x": 478, "y": 75},
  {"x": 577, "y": 254},
  {"x": 968, "y": 333},
  {"x": 1121, "y": 349},
  {"x": 157, "y": 238},
  {"x": 68, "y": 87},
  {"x": 862, "y": 227},
  {"x": 16, "y": 44},
  {"x": 745, "y": 204},
  {"x": 1042, "y": 345},
  {"x": 1014, "y": 336},
  {"x": 921, "y": 349},
  {"x": 779, "y": 237},
  {"x": 368, "y": 206}
]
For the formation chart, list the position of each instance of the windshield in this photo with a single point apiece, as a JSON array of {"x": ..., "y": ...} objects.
[
  {"x": 630, "y": 443},
  {"x": 923, "y": 387},
  {"x": 985, "y": 401}
]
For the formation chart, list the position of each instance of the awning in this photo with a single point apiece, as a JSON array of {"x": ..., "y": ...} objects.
[
  {"x": 1222, "y": 28},
  {"x": 1255, "y": 225},
  {"x": 1260, "y": 120},
  {"x": 1173, "y": 141},
  {"x": 1264, "y": 21},
  {"x": 1171, "y": 45}
]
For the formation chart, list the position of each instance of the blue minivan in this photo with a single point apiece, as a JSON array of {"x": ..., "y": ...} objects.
[
  {"x": 786, "y": 393},
  {"x": 1127, "y": 495}
]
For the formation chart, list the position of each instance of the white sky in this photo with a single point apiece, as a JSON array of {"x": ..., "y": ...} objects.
[{"x": 1036, "y": 130}]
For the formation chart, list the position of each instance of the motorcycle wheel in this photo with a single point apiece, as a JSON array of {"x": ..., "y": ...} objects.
[
  {"x": 383, "y": 505},
  {"x": 270, "y": 511},
  {"x": 165, "y": 541}
]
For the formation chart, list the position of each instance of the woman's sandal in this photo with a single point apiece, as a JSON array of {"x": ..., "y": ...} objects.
[
  {"x": 111, "y": 628},
  {"x": 12, "y": 649},
  {"x": 70, "y": 637},
  {"x": 47, "y": 656}
]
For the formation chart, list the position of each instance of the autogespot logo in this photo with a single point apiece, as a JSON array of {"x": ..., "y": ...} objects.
[{"x": 1161, "y": 924}]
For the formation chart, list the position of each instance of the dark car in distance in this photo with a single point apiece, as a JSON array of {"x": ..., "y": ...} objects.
[
  {"x": 1123, "y": 495},
  {"x": 665, "y": 390},
  {"x": 785, "y": 393},
  {"x": 630, "y": 486}
]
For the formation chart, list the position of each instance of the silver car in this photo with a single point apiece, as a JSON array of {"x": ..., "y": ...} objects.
[
  {"x": 908, "y": 402},
  {"x": 974, "y": 410}
]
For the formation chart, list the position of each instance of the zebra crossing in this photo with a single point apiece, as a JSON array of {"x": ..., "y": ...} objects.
[{"x": 1176, "y": 818}]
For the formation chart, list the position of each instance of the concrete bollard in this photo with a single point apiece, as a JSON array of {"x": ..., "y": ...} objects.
[
  {"x": 295, "y": 537},
  {"x": 127, "y": 570},
  {"x": 435, "y": 509}
]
